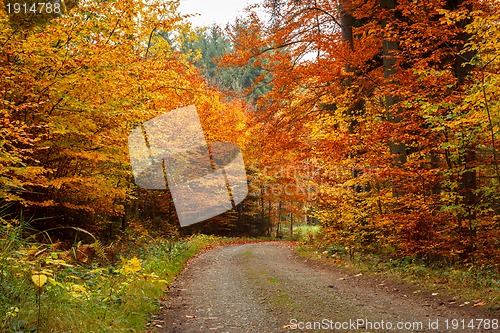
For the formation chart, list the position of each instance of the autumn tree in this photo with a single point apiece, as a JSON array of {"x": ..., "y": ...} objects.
[
  {"x": 72, "y": 89},
  {"x": 378, "y": 95}
]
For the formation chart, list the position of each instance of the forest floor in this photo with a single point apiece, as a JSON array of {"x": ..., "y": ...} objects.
[{"x": 266, "y": 287}]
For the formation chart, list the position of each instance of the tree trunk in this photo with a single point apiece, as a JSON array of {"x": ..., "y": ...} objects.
[
  {"x": 468, "y": 181},
  {"x": 358, "y": 104},
  {"x": 346, "y": 20},
  {"x": 389, "y": 49},
  {"x": 278, "y": 234}
]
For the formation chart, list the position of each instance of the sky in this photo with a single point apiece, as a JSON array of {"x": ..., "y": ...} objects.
[{"x": 220, "y": 12}]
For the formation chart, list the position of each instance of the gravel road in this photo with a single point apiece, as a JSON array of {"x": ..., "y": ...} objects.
[{"x": 265, "y": 287}]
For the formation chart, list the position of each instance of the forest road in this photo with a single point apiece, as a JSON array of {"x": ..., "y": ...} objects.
[{"x": 266, "y": 287}]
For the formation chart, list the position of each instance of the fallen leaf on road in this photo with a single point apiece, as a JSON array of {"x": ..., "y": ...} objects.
[{"x": 290, "y": 327}]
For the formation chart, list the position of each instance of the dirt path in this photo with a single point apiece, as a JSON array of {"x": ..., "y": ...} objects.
[{"x": 265, "y": 287}]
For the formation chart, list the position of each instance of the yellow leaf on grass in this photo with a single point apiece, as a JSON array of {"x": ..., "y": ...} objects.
[
  {"x": 78, "y": 288},
  {"x": 133, "y": 265},
  {"x": 39, "y": 279},
  {"x": 55, "y": 283}
]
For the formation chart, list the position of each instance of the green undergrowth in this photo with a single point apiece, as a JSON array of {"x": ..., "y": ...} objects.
[
  {"x": 470, "y": 285},
  {"x": 43, "y": 289},
  {"x": 306, "y": 233}
]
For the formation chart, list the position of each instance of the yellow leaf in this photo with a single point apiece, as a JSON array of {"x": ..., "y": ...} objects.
[
  {"x": 78, "y": 288},
  {"x": 55, "y": 283},
  {"x": 39, "y": 279},
  {"x": 133, "y": 265}
]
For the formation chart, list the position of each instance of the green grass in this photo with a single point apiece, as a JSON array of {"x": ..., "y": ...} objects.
[
  {"x": 306, "y": 233},
  {"x": 248, "y": 254},
  {"x": 90, "y": 298},
  {"x": 282, "y": 301},
  {"x": 272, "y": 280}
]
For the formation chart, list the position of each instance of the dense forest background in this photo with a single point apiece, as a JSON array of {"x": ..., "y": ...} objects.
[{"x": 378, "y": 120}]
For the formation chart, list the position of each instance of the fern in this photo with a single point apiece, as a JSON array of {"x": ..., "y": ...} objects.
[{"x": 99, "y": 249}]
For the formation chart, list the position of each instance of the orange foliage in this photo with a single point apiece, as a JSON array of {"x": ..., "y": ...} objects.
[
  {"x": 380, "y": 99},
  {"x": 72, "y": 89}
]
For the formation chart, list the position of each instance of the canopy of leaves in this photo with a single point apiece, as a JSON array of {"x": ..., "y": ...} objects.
[
  {"x": 74, "y": 86},
  {"x": 389, "y": 110}
]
